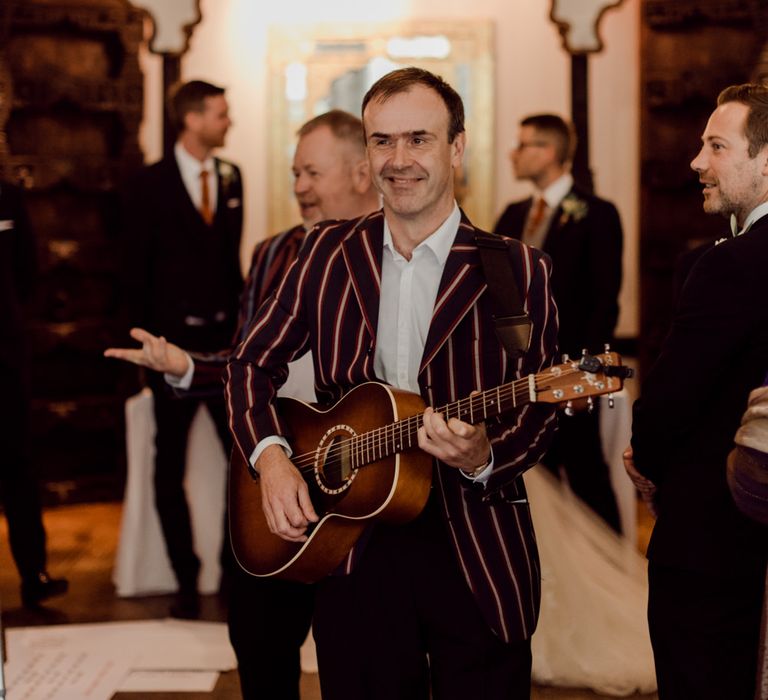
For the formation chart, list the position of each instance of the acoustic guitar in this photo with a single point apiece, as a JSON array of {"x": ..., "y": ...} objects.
[{"x": 361, "y": 461}]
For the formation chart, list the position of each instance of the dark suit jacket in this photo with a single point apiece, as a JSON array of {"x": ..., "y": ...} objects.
[
  {"x": 177, "y": 267},
  {"x": 586, "y": 267},
  {"x": 269, "y": 264},
  {"x": 329, "y": 303},
  {"x": 18, "y": 272},
  {"x": 691, "y": 403}
]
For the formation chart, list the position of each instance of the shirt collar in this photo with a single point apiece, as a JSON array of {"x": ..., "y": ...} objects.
[
  {"x": 439, "y": 242},
  {"x": 189, "y": 164},
  {"x": 555, "y": 193},
  {"x": 757, "y": 213}
]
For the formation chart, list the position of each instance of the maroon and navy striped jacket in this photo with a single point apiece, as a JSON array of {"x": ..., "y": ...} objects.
[{"x": 329, "y": 303}]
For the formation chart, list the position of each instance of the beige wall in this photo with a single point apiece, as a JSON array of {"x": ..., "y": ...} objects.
[{"x": 532, "y": 74}]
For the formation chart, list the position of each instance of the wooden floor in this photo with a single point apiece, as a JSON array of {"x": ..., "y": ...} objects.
[{"x": 82, "y": 541}]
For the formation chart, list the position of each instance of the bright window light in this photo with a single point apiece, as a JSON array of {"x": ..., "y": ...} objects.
[{"x": 419, "y": 47}]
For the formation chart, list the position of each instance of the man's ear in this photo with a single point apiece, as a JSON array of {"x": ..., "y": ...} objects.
[
  {"x": 361, "y": 176},
  {"x": 764, "y": 159},
  {"x": 192, "y": 120},
  {"x": 457, "y": 148}
]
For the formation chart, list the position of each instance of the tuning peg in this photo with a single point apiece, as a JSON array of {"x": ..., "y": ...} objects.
[
  {"x": 611, "y": 402},
  {"x": 583, "y": 352},
  {"x": 607, "y": 347},
  {"x": 566, "y": 358},
  {"x": 590, "y": 404},
  {"x": 569, "y": 408}
]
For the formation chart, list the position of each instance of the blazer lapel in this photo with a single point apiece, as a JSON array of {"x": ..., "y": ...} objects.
[
  {"x": 461, "y": 285},
  {"x": 362, "y": 251},
  {"x": 560, "y": 222}
]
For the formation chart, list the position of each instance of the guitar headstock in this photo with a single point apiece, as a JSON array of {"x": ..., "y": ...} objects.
[{"x": 590, "y": 375}]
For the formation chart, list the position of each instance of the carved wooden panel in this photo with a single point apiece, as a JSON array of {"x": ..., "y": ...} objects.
[
  {"x": 690, "y": 51},
  {"x": 71, "y": 99}
]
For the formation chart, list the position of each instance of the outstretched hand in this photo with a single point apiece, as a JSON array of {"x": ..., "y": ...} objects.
[{"x": 155, "y": 353}]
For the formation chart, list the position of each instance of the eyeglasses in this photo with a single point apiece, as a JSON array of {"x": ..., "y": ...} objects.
[{"x": 530, "y": 144}]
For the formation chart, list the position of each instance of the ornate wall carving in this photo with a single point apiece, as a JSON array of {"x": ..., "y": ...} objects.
[{"x": 71, "y": 100}]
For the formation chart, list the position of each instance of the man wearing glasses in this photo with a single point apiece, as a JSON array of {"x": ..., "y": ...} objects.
[{"x": 582, "y": 234}]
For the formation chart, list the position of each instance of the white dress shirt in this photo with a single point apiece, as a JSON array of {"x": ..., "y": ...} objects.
[
  {"x": 757, "y": 213},
  {"x": 190, "y": 169},
  {"x": 408, "y": 293}
]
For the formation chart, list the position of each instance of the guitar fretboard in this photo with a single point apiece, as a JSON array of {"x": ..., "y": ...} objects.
[
  {"x": 352, "y": 451},
  {"x": 402, "y": 435}
]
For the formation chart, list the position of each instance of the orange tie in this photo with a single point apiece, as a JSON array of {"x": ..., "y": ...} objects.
[
  {"x": 535, "y": 217},
  {"x": 205, "y": 199}
]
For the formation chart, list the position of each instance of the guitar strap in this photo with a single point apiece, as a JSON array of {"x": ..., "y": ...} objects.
[{"x": 511, "y": 322}]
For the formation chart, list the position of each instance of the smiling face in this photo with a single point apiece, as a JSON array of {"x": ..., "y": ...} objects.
[
  {"x": 411, "y": 161},
  {"x": 733, "y": 182},
  {"x": 328, "y": 174}
]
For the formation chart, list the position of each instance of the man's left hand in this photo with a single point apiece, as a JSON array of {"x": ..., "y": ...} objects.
[
  {"x": 644, "y": 485},
  {"x": 456, "y": 443}
]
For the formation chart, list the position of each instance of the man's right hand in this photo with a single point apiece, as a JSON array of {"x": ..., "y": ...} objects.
[
  {"x": 284, "y": 495},
  {"x": 644, "y": 485},
  {"x": 155, "y": 353}
]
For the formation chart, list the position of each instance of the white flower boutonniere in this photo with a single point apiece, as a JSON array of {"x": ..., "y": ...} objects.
[
  {"x": 574, "y": 209},
  {"x": 227, "y": 173}
]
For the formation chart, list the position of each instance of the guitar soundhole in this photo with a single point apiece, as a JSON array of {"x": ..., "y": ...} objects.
[{"x": 334, "y": 469}]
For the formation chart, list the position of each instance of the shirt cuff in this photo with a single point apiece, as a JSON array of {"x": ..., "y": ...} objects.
[
  {"x": 185, "y": 381},
  {"x": 262, "y": 445},
  {"x": 483, "y": 476}
]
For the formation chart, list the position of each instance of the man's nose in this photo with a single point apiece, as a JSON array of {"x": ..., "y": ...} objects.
[
  {"x": 400, "y": 157},
  {"x": 698, "y": 163},
  {"x": 300, "y": 183}
]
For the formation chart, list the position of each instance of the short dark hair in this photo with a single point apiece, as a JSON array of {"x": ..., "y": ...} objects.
[
  {"x": 184, "y": 98},
  {"x": 403, "y": 79},
  {"x": 344, "y": 126},
  {"x": 561, "y": 132},
  {"x": 755, "y": 97}
]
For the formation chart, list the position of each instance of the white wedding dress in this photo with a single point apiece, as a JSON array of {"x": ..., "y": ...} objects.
[{"x": 592, "y": 630}]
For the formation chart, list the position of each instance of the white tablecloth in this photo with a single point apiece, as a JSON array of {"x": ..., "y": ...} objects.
[
  {"x": 142, "y": 566},
  {"x": 615, "y": 432}
]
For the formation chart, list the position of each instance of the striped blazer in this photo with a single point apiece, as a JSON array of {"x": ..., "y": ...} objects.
[
  {"x": 269, "y": 264},
  {"x": 329, "y": 303}
]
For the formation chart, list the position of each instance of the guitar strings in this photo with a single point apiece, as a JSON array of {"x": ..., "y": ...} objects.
[
  {"x": 375, "y": 441},
  {"x": 370, "y": 442}
]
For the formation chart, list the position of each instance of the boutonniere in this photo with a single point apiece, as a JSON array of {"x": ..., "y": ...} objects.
[
  {"x": 720, "y": 240},
  {"x": 227, "y": 174},
  {"x": 574, "y": 209}
]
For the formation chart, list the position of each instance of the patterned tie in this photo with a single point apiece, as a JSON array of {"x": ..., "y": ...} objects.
[
  {"x": 532, "y": 225},
  {"x": 205, "y": 199}
]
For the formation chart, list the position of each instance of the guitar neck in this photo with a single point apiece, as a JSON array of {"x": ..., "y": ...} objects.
[{"x": 403, "y": 434}]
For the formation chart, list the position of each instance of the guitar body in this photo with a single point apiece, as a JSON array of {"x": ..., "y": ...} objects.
[{"x": 390, "y": 488}]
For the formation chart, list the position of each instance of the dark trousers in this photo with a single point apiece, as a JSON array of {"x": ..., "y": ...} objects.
[
  {"x": 578, "y": 450},
  {"x": 173, "y": 417},
  {"x": 18, "y": 486},
  {"x": 405, "y": 620},
  {"x": 705, "y": 633},
  {"x": 268, "y": 621}
]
